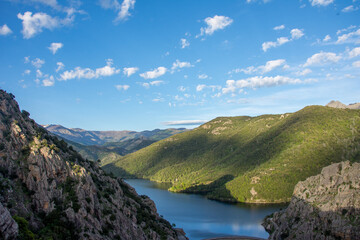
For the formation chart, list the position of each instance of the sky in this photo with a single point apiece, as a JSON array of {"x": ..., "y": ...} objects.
[{"x": 140, "y": 64}]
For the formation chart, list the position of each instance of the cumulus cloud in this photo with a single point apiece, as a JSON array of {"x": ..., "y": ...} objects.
[
  {"x": 280, "y": 41},
  {"x": 153, "y": 83},
  {"x": 304, "y": 72},
  {"x": 268, "y": 67},
  {"x": 48, "y": 82},
  {"x": 233, "y": 86},
  {"x": 34, "y": 24},
  {"x": 154, "y": 73},
  {"x": 356, "y": 64},
  {"x": 321, "y": 2},
  {"x": 203, "y": 76},
  {"x": 354, "y": 52},
  {"x": 327, "y": 38},
  {"x": 350, "y": 8},
  {"x": 295, "y": 34},
  {"x": 280, "y": 27},
  {"x": 27, "y": 72},
  {"x": 5, "y": 30},
  {"x": 200, "y": 87},
  {"x": 54, "y": 47},
  {"x": 130, "y": 71},
  {"x": 184, "y": 122},
  {"x": 60, "y": 66},
  {"x": 215, "y": 23},
  {"x": 88, "y": 73},
  {"x": 177, "y": 64},
  {"x": 122, "y": 87},
  {"x": 352, "y": 37},
  {"x": 37, "y": 62},
  {"x": 123, "y": 10},
  {"x": 184, "y": 43},
  {"x": 322, "y": 58}
]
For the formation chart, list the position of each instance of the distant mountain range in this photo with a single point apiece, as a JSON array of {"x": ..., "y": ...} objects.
[
  {"x": 109, "y": 146},
  {"x": 250, "y": 159},
  {"x": 87, "y": 137},
  {"x": 337, "y": 104}
]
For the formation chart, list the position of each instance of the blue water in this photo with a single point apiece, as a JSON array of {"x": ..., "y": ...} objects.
[{"x": 203, "y": 218}]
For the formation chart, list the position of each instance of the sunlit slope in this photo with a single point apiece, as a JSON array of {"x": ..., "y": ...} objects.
[{"x": 249, "y": 159}]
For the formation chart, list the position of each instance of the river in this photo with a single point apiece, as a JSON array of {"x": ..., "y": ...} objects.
[{"x": 203, "y": 218}]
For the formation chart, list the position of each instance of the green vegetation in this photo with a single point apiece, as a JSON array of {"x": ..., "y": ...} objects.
[{"x": 249, "y": 159}]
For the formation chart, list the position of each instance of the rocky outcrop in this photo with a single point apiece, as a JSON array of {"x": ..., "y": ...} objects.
[
  {"x": 53, "y": 193},
  {"x": 8, "y": 227},
  {"x": 325, "y": 206},
  {"x": 337, "y": 104}
]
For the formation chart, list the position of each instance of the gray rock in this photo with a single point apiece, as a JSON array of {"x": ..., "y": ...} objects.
[{"x": 8, "y": 227}]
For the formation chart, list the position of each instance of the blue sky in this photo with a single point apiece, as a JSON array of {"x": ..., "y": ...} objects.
[{"x": 139, "y": 64}]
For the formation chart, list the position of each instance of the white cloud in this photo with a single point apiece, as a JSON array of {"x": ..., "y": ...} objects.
[
  {"x": 354, "y": 52},
  {"x": 296, "y": 33},
  {"x": 321, "y": 2},
  {"x": 352, "y": 37},
  {"x": 158, "y": 100},
  {"x": 55, "y": 46},
  {"x": 51, "y": 3},
  {"x": 184, "y": 122},
  {"x": 27, "y": 72},
  {"x": 37, "y": 62},
  {"x": 356, "y": 64},
  {"x": 257, "y": 82},
  {"x": 203, "y": 76},
  {"x": 27, "y": 59},
  {"x": 177, "y": 64},
  {"x": 184, "y": 43},
  {"x": 5, "y": 30},
  {"x": 60, "y": 66},
  {"x": 350, "y": 8},
  {"x": 200, "y": 87},
  {"x": 280, "y": 27},
  {"x": 338, "y": 32},
  {"x": 304, "y": 72},
  {"x": 122, "y": 87},
  {"x": 154, "y": 74},
  {"x": 130, "y": 71},
  {"x": 215, "y": 23},
  {"x": 153, "y": 83},
  {"x": 269, "y": 66},
  {"x": 48, "y": 82},
  {"x": 88, "y": 73},
  {"x": 34, "y": 24},
  {"x": 39, "y": 74},
  {"x": 123, "y": 10},
  {"x": 182, "y": 89},
  {"x": 280, "y": 41},
  {"x": 327, "y": 38},
  {"x": 322, "y": 58}
]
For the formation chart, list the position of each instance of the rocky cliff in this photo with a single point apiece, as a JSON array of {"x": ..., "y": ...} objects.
[
  {"x": 325, "y": 206},
  {"x": 48, "y": 191},
  {"x": 337, "y": 104}
]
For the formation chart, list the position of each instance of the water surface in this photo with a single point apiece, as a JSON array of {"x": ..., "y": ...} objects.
[{"x": 203, "y": 218}]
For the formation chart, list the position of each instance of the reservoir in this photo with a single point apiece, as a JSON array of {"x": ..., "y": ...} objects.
[{"x": 202, "y": 218}]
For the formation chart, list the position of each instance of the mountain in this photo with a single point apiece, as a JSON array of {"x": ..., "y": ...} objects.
[
  {"x": 337, "y": 104},
  {"x": 249, "y": 159},
  {"x": 325, "y": 206},
  {"x": 87, "y": 137},
  {"x": 48, "y": 191}
]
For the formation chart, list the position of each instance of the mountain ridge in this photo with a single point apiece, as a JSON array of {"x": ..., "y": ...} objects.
[{"x": 246, "y": 159}]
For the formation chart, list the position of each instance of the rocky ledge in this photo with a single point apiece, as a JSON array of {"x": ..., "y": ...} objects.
[{"x": 325, "y": 206}]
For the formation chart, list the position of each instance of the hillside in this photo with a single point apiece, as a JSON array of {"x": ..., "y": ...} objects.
[
  {"x": 87, "y": 137},
  {"x": 48, "y": 191},
  {"x": 325, "y": 206},
  {"x": 249, "y": 159}
]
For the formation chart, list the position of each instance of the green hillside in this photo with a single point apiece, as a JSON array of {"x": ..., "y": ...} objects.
[{"x": 249, "y": 159}]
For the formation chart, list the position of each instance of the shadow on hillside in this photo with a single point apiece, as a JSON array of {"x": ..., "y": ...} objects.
[
  {"x": 302, "y": 220},
  {"x": 117, "y": 171},
  {"x": 215, "y": 190}
]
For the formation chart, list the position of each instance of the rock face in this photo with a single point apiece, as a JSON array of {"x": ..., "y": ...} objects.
[
  {"x": 325, "y": 206},
  {"x": 53, "y": 193},
  {"x": 337, "y": 104}
]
